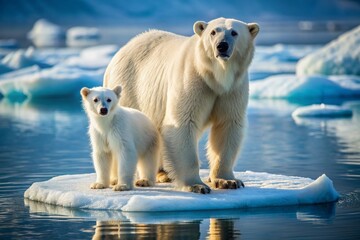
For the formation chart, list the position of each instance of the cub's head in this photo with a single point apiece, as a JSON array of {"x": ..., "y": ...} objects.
[
  {"x": 223, "y": 38},
  {"x": 100, "y": 101}
]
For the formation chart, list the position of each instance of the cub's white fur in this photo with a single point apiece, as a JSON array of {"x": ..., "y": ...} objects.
[
  {"x": 122, "y": 140},
  {"x": 185, "y": 84}
]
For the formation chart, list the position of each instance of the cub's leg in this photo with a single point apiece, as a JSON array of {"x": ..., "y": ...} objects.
[
  {"x": 127, "y": 160},
  {"x": 102, "y": 164},
  {"x": 147, "y": 166}
]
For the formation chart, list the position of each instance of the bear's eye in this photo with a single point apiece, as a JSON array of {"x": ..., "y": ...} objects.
[
  {"x": 213, "y": 32},
  {"x": 233, "y": 33},
  {"x": 108, "y": 100},
  {"x": 96, "y": 100}
]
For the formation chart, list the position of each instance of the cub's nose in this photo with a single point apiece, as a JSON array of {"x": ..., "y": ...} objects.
[
  {"x": 222, "y": 47},
  {"x": 103, "y": 111}
]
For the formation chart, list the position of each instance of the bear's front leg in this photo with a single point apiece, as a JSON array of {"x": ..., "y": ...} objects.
[
  {"x": 223, "y": 146},
  {"x": 102, "y": 164},
  {"x": 181, "y": 159}
]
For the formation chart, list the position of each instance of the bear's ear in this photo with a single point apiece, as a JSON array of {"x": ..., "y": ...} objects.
[
  {"x": 117, "y": 90},
  {"x": 253, "y": 29},
  {"x": 199, "y": 27},
  {"x": 84, "y": 92}
]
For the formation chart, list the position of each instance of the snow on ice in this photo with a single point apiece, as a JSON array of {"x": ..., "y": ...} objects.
[{"x": 262, "y": 189}]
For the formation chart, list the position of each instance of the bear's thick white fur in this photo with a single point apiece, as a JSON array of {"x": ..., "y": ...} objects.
[
  {"x": 122, "y": 140},
  {"x": 186, "y": 84}
]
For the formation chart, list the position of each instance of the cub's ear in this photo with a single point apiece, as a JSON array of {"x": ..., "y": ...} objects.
[
  {"x": 84, "y": 92},
  {"x": 117, "y": 90},
  {"x": 199, "y": 27},
  {"x": 253, "y": 29}
]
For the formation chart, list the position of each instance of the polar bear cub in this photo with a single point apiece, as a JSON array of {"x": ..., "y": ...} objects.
[{"x": 123, "y": 140}]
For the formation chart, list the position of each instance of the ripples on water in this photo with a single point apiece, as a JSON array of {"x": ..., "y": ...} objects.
[{"x": 42, "y": 140}]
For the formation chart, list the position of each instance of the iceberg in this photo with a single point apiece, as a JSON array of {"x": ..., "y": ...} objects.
[
  {"x": 262, "y": 190},
  {"x": 318, "y": 87},
  {"x": 322, "y": 110},
  {"x": 339, "y": 57},
  {"x": 46, "y": 34}
]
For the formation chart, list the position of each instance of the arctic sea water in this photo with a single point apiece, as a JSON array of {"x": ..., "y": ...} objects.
[{"x": 42, "y": 139}]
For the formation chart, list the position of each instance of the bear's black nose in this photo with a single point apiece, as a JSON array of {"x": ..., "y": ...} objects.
[
  {"x": 222, "y": 47},
  {"x": 103, "y": 111}
]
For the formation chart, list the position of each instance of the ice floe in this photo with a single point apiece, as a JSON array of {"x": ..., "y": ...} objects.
[
  {"x": 322, "y": 110},
  {"x": 52, "y": 82},
  {"x": 82, "y": 36},
  {"x": 339, "y": 57},
  {"x": 23, "y": 58},
  {"x": 262, "y": 189},
  {"x": 92, "y": 58},
  {"x": 312, "y": 87}
]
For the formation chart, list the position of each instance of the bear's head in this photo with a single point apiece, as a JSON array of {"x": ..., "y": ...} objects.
[
  {"x": 223, "y": 38},
  {"x": 100, "y": 101}
]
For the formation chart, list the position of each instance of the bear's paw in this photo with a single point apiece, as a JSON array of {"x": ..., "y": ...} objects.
[
  {"x": 200, "y": 188},
  {"x": 97, "y": 185},
  {"x": 220, "y": 183},
  {"x": 162, "y": 177},
  {"x": 143, "y": 183},
  {"x": 121, "y": 187},
  {"x": 113, "y": 182}
]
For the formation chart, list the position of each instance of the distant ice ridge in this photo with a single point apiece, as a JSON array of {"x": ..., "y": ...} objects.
[
  {"x": 54, "y": 73},
  {"x": 53, "y": 82},
  {"x": 322, "y": 110},
  {"x": 262, "y": 189},
  {"x": 339, "y": 57},
  {"x": 310, "y": 87},
  {"x": 47, "y": 34},
  {"x": 277, "y": 59},
  {"x": 82, "y": 36}
]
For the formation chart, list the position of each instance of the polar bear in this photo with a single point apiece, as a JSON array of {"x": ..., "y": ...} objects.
[
  {"x": 122, "y": 140},
  {"x": 186, "y": 84}
]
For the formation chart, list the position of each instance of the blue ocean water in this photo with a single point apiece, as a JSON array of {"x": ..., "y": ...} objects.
[{"x": 44, "y": 138}]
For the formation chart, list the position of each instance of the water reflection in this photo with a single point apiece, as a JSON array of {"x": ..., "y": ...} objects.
[
  {"x": 43, "y": 115},
  {"x": 225, "y": 224}
]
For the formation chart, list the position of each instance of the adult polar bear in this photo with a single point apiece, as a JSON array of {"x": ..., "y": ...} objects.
[{"x": 185, "y": 84}]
